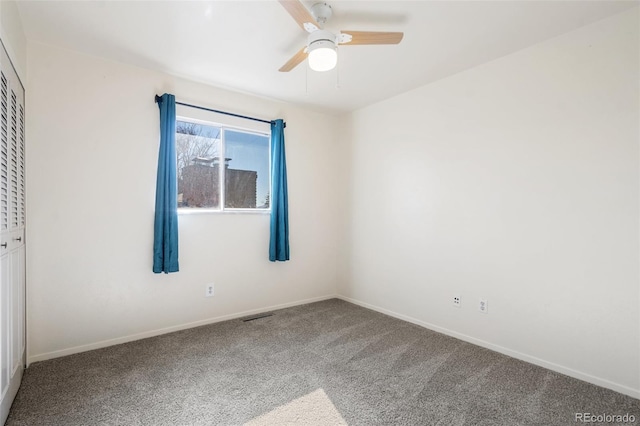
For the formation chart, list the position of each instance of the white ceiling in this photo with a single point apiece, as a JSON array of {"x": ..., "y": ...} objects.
[{"x": 241, "y": 44}]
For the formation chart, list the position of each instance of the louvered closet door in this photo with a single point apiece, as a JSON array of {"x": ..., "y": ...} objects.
[
  {"x": 12, "y": 225},
  {"x": 4, "y": 160}
]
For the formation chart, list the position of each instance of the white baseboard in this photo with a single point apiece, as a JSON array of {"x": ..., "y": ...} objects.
[
  {"x": 635, "y": 393},
  {"x": 110, "y": 342}
]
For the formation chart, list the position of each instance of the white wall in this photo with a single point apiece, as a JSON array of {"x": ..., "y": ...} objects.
[
  {"x": 91, "y": 161},
  {"x": 13, "y": 38},
  {"x": 516, "y": 181}
]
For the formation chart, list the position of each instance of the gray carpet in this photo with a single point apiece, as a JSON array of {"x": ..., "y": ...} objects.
[{"x": 325, "y": 363}]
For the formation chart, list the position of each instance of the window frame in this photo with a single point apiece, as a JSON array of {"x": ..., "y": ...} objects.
[{"x": 229, "y": 125}]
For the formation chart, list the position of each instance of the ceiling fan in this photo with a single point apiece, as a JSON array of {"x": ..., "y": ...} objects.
[{"x": 322, "y": 45}]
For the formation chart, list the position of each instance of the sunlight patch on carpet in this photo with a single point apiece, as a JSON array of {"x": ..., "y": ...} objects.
[{"x": 314, "y": 408}]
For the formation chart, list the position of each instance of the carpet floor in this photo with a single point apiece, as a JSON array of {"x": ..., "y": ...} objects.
[{"x": 325, "y": 363}]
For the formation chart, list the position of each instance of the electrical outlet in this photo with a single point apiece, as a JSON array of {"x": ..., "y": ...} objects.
[
  {"x": 208, "y": 292},
  {"x": 456, "y": 301},
  {"x": 483, "y": 306}
]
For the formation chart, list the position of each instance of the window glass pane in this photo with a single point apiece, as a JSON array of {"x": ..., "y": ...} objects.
[
  {"x": 198, "y": 157},
  {"x": 247, "y": 170}
]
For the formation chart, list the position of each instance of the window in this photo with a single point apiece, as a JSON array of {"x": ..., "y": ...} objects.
[{"x": 221, "y": 167}]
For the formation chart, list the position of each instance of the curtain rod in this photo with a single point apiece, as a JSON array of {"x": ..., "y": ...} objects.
[{"x": 159, "y": 99}]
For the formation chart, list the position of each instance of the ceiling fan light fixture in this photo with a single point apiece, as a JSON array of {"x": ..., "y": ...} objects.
[{"x": 323, "y": 55}]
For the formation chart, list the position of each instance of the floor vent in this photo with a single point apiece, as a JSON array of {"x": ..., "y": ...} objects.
[{"x": 255, "y": 317}]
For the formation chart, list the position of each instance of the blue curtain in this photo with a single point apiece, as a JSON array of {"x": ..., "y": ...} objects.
[
  {"x": 279, "y": 241},
  {"x": 165, "y": 228}
]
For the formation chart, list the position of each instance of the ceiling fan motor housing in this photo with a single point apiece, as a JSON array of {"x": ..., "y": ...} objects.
[{"x": 321, "y": 36}]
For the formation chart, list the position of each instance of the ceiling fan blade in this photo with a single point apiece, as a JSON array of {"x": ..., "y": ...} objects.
[
  {"x": 372, "y": 37},
  {"x": 300, "y": 14},
  {"x": 295, "y": 60}
]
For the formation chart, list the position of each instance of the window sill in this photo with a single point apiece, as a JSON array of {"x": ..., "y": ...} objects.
[{"x": 183, "y": 211}]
